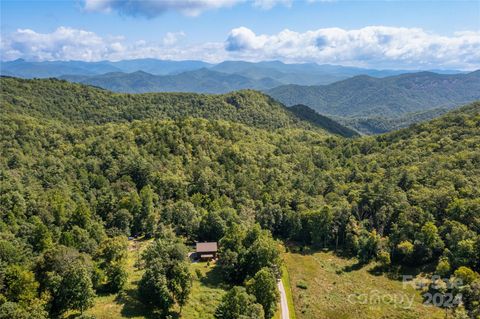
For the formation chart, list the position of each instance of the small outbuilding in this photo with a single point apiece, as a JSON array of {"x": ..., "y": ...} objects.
[{"x": 207, "y": 251}]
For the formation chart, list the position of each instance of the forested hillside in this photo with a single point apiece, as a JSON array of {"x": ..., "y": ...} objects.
[
  {"x": 384, "y": 99},
  {"x": 382, "y": 124},
  {"x": 82, "y": 104},
  {"x": 76, "y": 172},
  {"x": 305, "y": 113},
  {"x": 199, "y": 81},
  {"x": 68, "y": 102}
]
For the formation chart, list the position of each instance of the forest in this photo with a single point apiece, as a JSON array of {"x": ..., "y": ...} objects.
[
  {"x": 82, "y": 169},
  {"x": 374, "y": 105}
]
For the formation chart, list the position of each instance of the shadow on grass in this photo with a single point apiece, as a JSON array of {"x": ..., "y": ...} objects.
[
  {"x": 73, "y": 316},
  {"x": 353, "y": 267},
  {"x": 297, "y": 248},
  {"x": 379, "y": 270},
  {"x": 214, "y": 279},
  {"x": 132, "y": 306},
  {"x": 397, "y": 272}
]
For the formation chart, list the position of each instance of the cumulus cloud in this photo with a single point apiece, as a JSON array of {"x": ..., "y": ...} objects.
[
  {"x": 62, "y": 44},
  {"x": 73, "y": 44},
  {"x": 374, "y": 46},
  {"x": 244, "y": 39}
]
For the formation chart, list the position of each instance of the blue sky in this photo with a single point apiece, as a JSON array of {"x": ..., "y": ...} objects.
[{"x": 117, "y": 29}]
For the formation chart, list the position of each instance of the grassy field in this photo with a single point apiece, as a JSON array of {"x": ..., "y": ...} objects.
[
  {"x": 126, "y": 303},
  {"x": 207, "y": 291},
  {"x": 318, "y": 286},
  {"x": 327, "y": 286}
]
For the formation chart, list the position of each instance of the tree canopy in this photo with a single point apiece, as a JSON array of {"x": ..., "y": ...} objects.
[{"x": 80, "y": 166}]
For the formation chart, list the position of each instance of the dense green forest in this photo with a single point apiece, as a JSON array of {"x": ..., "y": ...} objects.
[
  {"x": 81, "y": 169},
  {"x": 56, "y": 99},
  {"x": 199, "y": 81},
  {"x": 307, "y": 114},
  {"x": 381, "y": 124},
  {"x": 375, "y": 105},
  {"x": 391, "y": 96},
  {"x": 68, "y": 102}
]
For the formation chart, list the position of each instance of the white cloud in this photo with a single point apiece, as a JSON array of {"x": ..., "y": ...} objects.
[
  {"x": 374, "y": 46},
  {"x": 62, "y": 44},
  {"x": 172, "y": 38},
  {"x": 72, "y": 44},
  {"x": 244, "y": 39}
]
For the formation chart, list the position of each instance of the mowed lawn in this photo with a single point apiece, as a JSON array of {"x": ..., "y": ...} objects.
[
  {"x": 207, "y": 291},
  {"x": 327, "y": 286}
]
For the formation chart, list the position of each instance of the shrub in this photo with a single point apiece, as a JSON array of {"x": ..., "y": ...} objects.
[{"x": 302, "y": 284}]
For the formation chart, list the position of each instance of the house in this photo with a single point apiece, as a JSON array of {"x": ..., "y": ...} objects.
[{"x": 207, "y": 251}]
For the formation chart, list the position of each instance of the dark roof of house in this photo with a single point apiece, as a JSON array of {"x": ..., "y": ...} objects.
[{"x": 206, "y": 247}]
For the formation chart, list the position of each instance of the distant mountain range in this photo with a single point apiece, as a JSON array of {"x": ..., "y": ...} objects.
[
  {"x": 198, "y": 81},
  {"x": 302, "y": 74},
  {"x": 370, "y": 101},
  {"x": 47, "y": 69},
  {"x": 376, "y": 105}
]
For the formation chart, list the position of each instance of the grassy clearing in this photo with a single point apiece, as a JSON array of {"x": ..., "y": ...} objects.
[
  {"x": 126, "y": 303},
  {"x": 207, "y": 291},
  {"x": 322, "y": 282}
]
